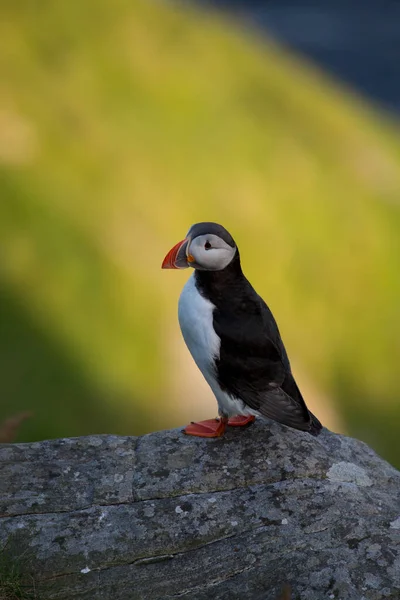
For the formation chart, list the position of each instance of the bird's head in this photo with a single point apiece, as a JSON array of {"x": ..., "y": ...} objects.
[{"x": 206, "y": 247}]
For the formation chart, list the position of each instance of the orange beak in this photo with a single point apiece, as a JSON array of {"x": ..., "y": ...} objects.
[{"x": 176, "y": 257}]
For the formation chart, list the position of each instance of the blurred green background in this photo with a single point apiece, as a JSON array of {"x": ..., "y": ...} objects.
[{"x": 121, "y": 124}]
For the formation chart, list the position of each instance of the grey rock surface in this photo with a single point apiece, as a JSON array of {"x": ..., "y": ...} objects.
[{"x": 170, "y": 516}]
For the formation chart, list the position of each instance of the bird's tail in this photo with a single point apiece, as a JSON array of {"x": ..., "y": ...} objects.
[{"x": 316, "y": 426}]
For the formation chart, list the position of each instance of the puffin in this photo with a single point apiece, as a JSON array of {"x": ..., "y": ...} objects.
[{"x": 233, "y": 338}]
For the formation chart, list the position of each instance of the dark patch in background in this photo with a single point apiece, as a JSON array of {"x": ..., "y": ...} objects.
[{"x": 357, "y": 41}]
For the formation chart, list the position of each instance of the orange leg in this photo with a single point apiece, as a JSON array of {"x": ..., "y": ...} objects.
[
  {"x": 208, "y": 429},
  {"x": 241, "y": 420}
]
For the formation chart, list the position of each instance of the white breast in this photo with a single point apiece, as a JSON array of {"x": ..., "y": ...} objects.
[{"x": 195, "y": 315}]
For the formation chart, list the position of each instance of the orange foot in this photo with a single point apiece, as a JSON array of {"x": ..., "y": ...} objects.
[
  {"x": 241, "y": 420},
  {"x": 208, "y": 429}
]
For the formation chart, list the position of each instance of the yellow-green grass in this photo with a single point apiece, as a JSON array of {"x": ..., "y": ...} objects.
[
  {"x": 124, "y": 123},
  {"x": 16, "y": 580}
]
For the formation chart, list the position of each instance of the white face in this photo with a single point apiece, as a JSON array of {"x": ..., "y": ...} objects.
[{"x": 210, "y": 253}]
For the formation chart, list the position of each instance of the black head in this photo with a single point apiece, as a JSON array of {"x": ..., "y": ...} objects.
[
  {"x": 206, "y": 247},
  {"x": 209, "y": 228}
]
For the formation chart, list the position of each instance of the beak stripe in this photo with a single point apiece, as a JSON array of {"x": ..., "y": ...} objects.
[{"x": 176, "y": 257}]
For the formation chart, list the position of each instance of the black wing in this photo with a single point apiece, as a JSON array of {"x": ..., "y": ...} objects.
[{"x": 253, "y": 365}]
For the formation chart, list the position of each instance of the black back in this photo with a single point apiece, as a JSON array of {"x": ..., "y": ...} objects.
[{"x": 253, "y": 364}]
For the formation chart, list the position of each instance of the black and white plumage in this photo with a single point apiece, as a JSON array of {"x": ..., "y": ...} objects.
[{"x": 232, "y": 334}]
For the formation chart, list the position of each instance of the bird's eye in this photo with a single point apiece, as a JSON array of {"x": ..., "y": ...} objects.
[{"x": 207, "y": 245}]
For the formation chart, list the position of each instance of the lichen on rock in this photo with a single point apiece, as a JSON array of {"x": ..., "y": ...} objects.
[{"x": 166, "y": 515}]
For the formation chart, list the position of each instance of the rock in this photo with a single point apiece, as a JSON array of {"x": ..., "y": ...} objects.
[{"x": 167, "y": 516}]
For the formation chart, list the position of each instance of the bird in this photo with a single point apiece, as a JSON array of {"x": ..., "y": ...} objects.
[{"x": 233, "y": 337}]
